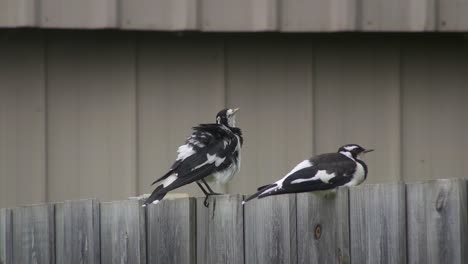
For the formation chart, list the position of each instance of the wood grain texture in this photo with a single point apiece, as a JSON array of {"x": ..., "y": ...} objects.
[
  {"x": 323, "y": 227},
  {"x": 123, "y": 232},
  {"x": 33, "y": 234},
  {"x": 77, "y": 232},
  {"x": 437, "y": 222},
  {"x": 270, "y": 230},
  {"x": 220, "y": 236},
  {"x": 171, "y": 231},
  {"x": 6, "y": 237},
  {"x": 378, "y": 223}
]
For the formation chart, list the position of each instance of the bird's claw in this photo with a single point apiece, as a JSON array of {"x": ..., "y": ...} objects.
[{"x": 206, "y": 203}]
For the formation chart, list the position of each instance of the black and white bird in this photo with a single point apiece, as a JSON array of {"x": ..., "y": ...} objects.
[
  {"x": 212, "y": 152},
  {"x": 322, "y": 172}
]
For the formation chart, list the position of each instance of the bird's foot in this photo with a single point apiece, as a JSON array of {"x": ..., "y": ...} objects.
[{"x": 206, "y": 203}]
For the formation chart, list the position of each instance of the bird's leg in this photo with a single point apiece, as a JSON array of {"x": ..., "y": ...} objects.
[
  {"x": 203, "y": 189},
  {"x": 207, "y": 194},
  {"x": 209, "y": 189}
]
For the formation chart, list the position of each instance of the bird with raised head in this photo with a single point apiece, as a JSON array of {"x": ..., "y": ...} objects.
[
  {"x": 321, "y": 172},
  {"x": 211, "y": 152}
]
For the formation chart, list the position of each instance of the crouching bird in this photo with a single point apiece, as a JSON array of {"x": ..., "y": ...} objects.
[
  {"x": 212, "y": 152},
  {"x": 322, "y": 172}
]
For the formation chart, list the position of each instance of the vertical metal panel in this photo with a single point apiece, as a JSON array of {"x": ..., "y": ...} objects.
[
  {"x": 6, "y": 236},
  {"x": 240, "y": 15},
  {"x": 323, "y": 227},
  {"x": 180, "y": 84},
  {"x": 270, "y": 80},
  {"x": 22, "y": 119},
  {"x": 435, "y": 126},
  {"x": 78, "y": 14},
  {"x": 437, "y": 222},
  {"x": 377, "y": 223},
  {"x": 452, "y": 15},
  {"x": 357, "y": 100},
  {"x": 159, "y": 14},
  {"x": 33, "y": 234},
  {"x": 220, "y": 236},
  {"x": 172, "y": 231},
  {"x": 318, "y": 15},
  {"x": 18, "y": 13},
  {"x": 91, "y": 119},
  {"x": 77, "y": 232},
  {"x": 398, "y": 15},
  {"x": 270, "y": 230},
  {"x": 123, "y": 232}
]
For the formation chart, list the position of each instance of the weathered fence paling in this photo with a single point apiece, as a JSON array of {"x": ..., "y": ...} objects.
[
  {"x": 323, "y": 227},
  {"x": 123, "y": 232},
  {"x": 381, "y": 223},
  {"x": 270, "y": 230},
  {"x": 218, "y": 226}
]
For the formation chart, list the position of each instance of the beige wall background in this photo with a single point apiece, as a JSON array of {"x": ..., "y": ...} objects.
[{"x": 101, "y": 113}]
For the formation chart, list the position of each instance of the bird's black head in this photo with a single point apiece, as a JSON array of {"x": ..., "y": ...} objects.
[
  {"x": 354, "y": 150},
  {"x": 227, "y": 117}
]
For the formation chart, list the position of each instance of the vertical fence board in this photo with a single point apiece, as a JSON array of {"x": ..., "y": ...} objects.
[
  {"x": 5, "y": 237},
  {"x": 378, "y": 223},
  {"x": 77, "y": 232},
  {"x": 33, "y": 234},
  {"x": 123, "y": 232},
  {"x": 270, "y": 230},
  {"x": 171, "y": 231},
  {"x": 437, "y": 222},
  {"x": 323, "y": 227},
  {"x": 220, "y": 237}
]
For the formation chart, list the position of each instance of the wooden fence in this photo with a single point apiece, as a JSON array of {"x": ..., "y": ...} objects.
[{"x": 383, "y": 223}]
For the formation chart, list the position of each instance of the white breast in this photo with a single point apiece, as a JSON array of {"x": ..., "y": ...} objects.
[
  {"x": 226, "y": 175},
  {"x": 359, "y": 176}
]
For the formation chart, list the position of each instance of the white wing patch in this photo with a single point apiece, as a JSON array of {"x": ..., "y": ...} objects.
[
  {"x": 304, "y": 164},
  {"x": 321, "y": 175},
  {"x": 169, "y": 180},
  {"x": 211, "y": 159},
  {"x": 184, "y": 152},
  {"x": 279, "y": 184}
]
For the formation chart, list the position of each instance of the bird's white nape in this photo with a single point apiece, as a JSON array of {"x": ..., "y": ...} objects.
[{"x": 350, "y": 148}]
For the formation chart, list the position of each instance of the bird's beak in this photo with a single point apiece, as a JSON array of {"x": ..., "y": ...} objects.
[
  {"x": 368, "y": 150},
  {"x": 235, "y": 110}
]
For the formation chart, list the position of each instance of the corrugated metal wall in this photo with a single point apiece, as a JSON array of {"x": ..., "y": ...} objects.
[
  {"x": 239, "y": 15},
  {"x": 101, "y": 114}
]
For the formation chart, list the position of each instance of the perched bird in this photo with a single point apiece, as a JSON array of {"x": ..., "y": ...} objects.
[
  {"x": 213, "y": 151},
  {"x": 322, "y": 172}
]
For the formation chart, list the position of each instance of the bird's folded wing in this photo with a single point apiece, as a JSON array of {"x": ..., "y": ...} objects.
[{"x": 213, "y": 156}]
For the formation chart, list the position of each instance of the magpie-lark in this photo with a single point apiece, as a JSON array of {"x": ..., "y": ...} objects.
[
  {"x": 322, "y": 172},
  {"x": 212, "y": 152}
]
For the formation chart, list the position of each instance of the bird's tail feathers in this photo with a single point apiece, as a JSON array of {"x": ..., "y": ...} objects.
[
  {"x": 263, "y": 187},
  {"x": 156, "y": 196},
  {"x": 163, "y": 177},
  {"x": 262, "y": 192}
]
